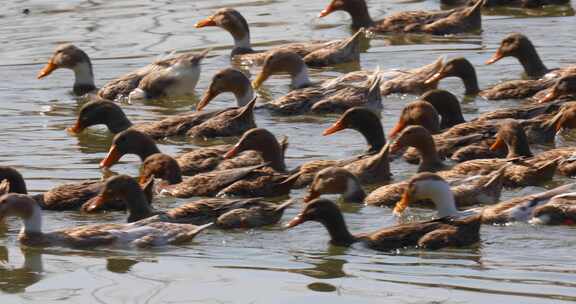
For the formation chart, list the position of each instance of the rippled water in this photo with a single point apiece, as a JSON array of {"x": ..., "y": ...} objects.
[{"x": 514, "y": 264}]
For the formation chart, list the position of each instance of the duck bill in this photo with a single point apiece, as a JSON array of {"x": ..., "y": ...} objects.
[
  {"x": 77, "y": 128},
  {"x": 400, "y": 125},
  {"x": 143, "y": 180},
  {"x": 336, "y": 127},
  {"x": 208, "y": 96},
  {"x": 257, "y": 83},
  {"x": 402, "y": 204},
  {"x": 553, "y": 94},
  {"x": 434, "y": 78},
  {"x": 111, "y": 158},
  {"x": 297, "y": 220},
  {"x": 232, "y": 152},
  {"x": 95, "y": 204},
  {"x": 496, "y": 57},
  {"x": 206, "y": 22},
  {"x": 497, "y": 145},
  {"x": 47, "y": 70},
  {"x": 327, "y": 11},
  {"x": 312, "y": 195}
]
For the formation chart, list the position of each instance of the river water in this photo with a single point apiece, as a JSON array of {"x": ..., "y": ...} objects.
[{"x": 514, "y": 264}]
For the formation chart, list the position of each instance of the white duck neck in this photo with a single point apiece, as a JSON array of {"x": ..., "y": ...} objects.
[
  {"x": 245, "y": 96},
  {"x": 301, "y": 78},
  {"x": 32, "y": 224},
  {"x": 439, "y": 192},
  {"x": 83, "y": 74}
]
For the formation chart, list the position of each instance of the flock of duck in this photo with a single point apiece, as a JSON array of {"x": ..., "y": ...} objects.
[{"x": 460, "y": 163}]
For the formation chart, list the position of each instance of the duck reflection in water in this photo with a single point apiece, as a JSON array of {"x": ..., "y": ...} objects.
[{"x": 16, "y": 280}]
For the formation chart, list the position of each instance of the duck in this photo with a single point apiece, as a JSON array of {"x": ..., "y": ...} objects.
[
  {"x": 92, "y": 236},
  {"x": 518, "y": 172},
  {"x": 197, "y": 161},
  {"x": 315, "y": 54},
  {"x": 178, "y": 78},
  {"x": 507, "y": 3},
  {"x": 560, "y": 210},
  {"x": 369, "y": 168},
  {"x": 207, "y": 184},
  {"x": 228, "y": 80},
  {"x": 512, "y": 137},
  {"x": 484, "y": 189},
  {"x": 436, "y": 234},
  {"x": 514, "y": 89},
  {"x": 454, "y": 21},
  {"x": 306, "y": 97},
  {"x": 364, "y": 121},
  {"x": 518, "y": 45},
  {"x": 224, "y": 213},
  {"x": 435, "y": 188},
  {"x": 563, "y": 89},
  {"x": 70, "y": 57},
  {"x": 70, "y": 196}
]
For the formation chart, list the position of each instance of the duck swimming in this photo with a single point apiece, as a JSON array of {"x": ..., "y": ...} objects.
[
  {"x": 91, "y": 236},
  {"x": 225, "y": 213},
  {"x": 436, "y": 234},
  {"x": 68, "y": 56},
  {"x": 327, "y": 97},
  {"x": 433, "y": 187},
  {"x": 364, "y": 121},
  {"x": 455, "y": 21}
]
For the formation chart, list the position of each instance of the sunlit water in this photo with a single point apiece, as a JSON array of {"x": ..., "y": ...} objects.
[{"x": 513, "y": 264}]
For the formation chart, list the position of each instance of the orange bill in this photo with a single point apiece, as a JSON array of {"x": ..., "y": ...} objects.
[
  {"x": 400, "y": 125},
  {"x": 327, "y": 11},
  {"x": 95, "y": 203},
  {"x": 47, "y": 70},
  {"x": 312, "y": 194},
  {"x": 434, "y": 78},
  {"x": 77, "y": 128},
  {"x": 497, "y": 56},
  {"x": 403, "y": 203},
  {"x": 299, "y": 219},
  {"x": 206, "y": 22},
  {"x": 208, "y": 96},
  {"x": 336, "y": 127},
  {"x": 553, "y": 94},
  {"x": 257, "y": 83},
  {"x": 143, "y": 180},
  {"x": 111, "y": 158},
  {"x": 232, "y": 152},
  {"x": 497, "y": 145}
]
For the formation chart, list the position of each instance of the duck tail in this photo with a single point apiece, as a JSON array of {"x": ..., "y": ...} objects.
[
  {"x": 475, "y": 8},
  {"x": 374, "y": 94},
  {"x": 284, "y": 205},
  {"x": 248, "y": 109},
  {"x": 198, "y": 57},
  {"x": 284, "y": 144},
  {"x": 352, "y": 44},
  {"x": 288, "y": 183}
]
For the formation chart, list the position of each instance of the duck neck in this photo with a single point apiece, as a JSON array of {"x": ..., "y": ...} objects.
[
  {"x": 33, "y": 223},
  {"x": 519, "y": 148},
  {"x": 118, "y": 122},
  {"x": 83, "y": 78},
  {"x": 301, "y": 79},
  {"x": 374, "y": 135},
  {"x": 443, "y": 198},
  {"x": 339, "y": 234},
  {"x": 242, "y": 41},
  {"x": 147, "y": 150},
  {"x": 430, "y": 161},
  {"x": 360, "y": 15},
  {"x": 244, "y": 94},
  {"x": 137, "y": 204},
  {"x": 470, "y": 81},
  {"x": 274, "y": 154},
  {"x": 354, "y": 192},
  {"x": 533, "y": 65}
]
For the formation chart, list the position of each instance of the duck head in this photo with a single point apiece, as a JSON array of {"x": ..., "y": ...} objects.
[
  {"x": 12, "y": 180},
  {"x": 161, "y": 166},
  {"x": 511, "y": 135},
  {"x": 68, "y": 56},
  {"x": 263, "y": 141},
  {"x": 363, "y": 120},
  {"x": 447, "y": 106},
  {"x": 420, "y": 113},
  {"x": 428, "y": 186},
  {"x": 234, "y": 23},
  {"x": 129, "y": 142},
  {"x": 357, "y": 9},
  {"x": 335, "y": 180},
  {"x": 24, "y": 207},
  {"x": 284, "y": 62},
  {"x": 458, "y": 67},
  {"x": 519, "y": 46},
  {"x": 101, "y": 112},
  {"x": 228, "y": 80}
]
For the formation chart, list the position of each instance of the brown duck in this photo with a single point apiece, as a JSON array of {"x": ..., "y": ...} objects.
[
  {"x": 436, "y": 234},
  {"x": 455, "y": 21},
  {"x": 225, "y": 213},
  {"x": 315, "y": 54}
]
